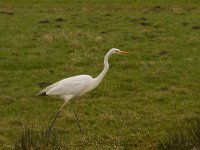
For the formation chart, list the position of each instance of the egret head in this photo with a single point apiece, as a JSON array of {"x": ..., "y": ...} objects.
[{"x": 117, "y": 51}]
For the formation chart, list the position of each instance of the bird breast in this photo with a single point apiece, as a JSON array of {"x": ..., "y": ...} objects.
[{"x": 91, "y": 84}]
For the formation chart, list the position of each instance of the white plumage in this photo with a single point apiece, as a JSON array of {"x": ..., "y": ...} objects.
[{"x": 70, "y": 87}]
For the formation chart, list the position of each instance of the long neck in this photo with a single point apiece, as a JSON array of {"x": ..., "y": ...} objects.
[{"x": 105, "y": 70}]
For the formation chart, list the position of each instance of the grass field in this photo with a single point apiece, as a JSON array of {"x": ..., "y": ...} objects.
[{"x": 143, "y": 96}]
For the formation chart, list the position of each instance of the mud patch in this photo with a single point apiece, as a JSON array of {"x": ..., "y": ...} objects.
[
  {"x": 162, "y": 53},
  {"x": 142, "y": 21},
  {"x": 196, "y": 27},
  {"x": 135, "y": 37},
  {"x": 103, "y": 32},
  {"x": 80, "y": 26},
  {"x": 6, "y": 13},
  {"x": 157, "y": 8},
  {"x": 7, "y": 100},
  {"x": 43, "y": 84},
  {"x": 59, "y": 20},
  {"x": 185, "y": 23},
  {"x": 51, "y": 71},
  {"x": 3, "y": 58},
  {"x": 58, "y": 26},
  {"x": 44, "y": 21},
  {"x": 108, "y": 14}
]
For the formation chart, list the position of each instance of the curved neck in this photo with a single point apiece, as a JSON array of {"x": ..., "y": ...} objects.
[{"x": 105, "y": 70}]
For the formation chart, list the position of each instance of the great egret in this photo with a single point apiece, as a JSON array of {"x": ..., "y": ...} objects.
[{"x": 76, "y": 86}]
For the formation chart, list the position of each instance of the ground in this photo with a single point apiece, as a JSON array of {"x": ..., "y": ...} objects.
[{"x": 143, "y": 96}]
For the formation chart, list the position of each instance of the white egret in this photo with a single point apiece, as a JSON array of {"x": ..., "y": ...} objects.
[{"x": 76, "y": 86}]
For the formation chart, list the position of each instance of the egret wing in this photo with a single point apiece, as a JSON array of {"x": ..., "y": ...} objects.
[{"x": 70, "y": 86}]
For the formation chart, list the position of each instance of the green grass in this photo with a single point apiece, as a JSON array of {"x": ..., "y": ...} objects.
[
  {"x": 142, "y": 97},
  {"x": 30, "y": 138},
  {"x": 185, "y": 137}
]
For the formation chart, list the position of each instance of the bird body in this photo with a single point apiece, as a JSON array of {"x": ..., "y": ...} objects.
[
  {"x": 75, "y": 86},
  {"x": 70, "y": 87}
]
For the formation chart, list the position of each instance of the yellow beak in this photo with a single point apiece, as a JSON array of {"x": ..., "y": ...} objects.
[{"x": 124, "y": 52}]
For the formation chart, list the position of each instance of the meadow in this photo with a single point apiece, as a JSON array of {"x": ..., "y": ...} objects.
[{"x": 143, "y": 97}]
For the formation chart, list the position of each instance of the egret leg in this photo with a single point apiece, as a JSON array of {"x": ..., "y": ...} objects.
[
  {"x": 77, "y": 119},
  {"x": 57, "y": 114}
]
